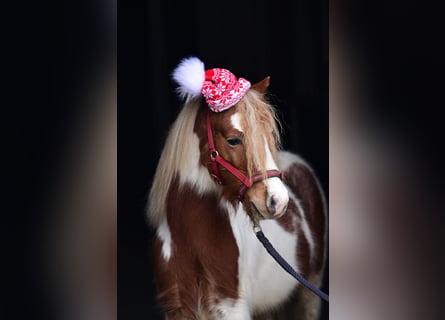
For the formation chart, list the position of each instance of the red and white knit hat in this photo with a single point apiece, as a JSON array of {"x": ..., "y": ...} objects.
[{"x": 220, "y": 87}]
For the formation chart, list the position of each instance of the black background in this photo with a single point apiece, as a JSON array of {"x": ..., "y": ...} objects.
[
  {"x": 49, "y": 51},
  {"x": 287, "y": 40}
]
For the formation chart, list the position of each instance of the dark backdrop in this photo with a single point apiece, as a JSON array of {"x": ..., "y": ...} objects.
[{"x": 287, "y": 40}]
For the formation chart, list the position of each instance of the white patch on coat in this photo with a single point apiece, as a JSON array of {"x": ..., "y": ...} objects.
[
  {"x": 286, "y": 159},
  {"x": 229, "y": 309},
  {"x": 235, "y": 119},
  {"x": 263, "y": 284},
  {"x": 163, "y": 233}
]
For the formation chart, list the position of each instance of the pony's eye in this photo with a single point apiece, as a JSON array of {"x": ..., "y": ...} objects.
[{"x": 234, "y": 141}]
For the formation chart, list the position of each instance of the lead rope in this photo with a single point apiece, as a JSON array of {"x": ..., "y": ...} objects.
[{"x": 286, "y": 266}]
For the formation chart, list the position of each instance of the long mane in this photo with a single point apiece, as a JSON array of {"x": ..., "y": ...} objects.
[
  {"x": 177, "y": 151},
  {"x": 180, "y": 156}
]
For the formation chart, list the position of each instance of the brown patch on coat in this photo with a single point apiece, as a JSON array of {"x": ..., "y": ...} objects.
[
  {"x": 303, "y": 252},
  {"x": 303, "y": 184},
  {"x": 287, "y": 221},
  {"x": 203, "y": 267},
  {"x": 169, "y": 296}
]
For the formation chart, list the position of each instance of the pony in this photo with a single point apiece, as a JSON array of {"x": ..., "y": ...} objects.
[{"x": 207, "y": 261}]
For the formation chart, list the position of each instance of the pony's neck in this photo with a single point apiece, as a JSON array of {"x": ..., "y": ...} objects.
[{"x": 180, "y": 159}]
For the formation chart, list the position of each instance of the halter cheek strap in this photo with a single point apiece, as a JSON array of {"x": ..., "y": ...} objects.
[{"x": 216, "y": 158}]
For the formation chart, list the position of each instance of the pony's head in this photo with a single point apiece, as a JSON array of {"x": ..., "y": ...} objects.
[
  {"x": 240, "y": 128},
  {"x": 247, "y": 137}
]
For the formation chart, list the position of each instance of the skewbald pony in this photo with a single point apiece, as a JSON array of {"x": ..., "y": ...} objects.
[{"x": 181, "y": 150}]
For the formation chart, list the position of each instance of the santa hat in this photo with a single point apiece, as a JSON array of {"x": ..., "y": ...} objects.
[{"x": 220, "y": 87}]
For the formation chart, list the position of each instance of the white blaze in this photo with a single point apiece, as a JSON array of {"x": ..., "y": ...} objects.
[
  {"x": 275, "y": 187},
  {"x": 236, "y": 121}
]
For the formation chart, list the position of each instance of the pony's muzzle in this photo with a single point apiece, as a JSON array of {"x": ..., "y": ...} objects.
[
  {"x": 277, "y": 197},
  {"x": 268, "y": 214},
  {"x": 276, "y": 206},
  {"x": 269, "y": 198}
]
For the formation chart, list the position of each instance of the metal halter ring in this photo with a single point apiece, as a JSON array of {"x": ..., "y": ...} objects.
[{"x": 214, "y": 154}]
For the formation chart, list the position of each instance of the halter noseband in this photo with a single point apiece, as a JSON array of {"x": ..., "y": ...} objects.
[{"x": 216, "y": 158}]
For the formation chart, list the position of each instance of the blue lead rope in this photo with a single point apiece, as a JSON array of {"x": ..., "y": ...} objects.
[{"x": 286, "y": 266}]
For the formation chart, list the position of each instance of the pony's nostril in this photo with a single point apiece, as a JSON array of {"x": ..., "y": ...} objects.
[
  {"x": 272, "y": 204},
  {"x": 276, "y": 206}
]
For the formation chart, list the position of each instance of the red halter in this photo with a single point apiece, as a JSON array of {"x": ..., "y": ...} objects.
[{"x": 216, "y": 158}]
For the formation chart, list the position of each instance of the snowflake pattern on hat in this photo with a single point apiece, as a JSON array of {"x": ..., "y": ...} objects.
[{"x": 222, "y": 89}]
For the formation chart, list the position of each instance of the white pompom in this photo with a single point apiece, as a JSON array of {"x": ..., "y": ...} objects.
[{"x": 190, "y": 75}]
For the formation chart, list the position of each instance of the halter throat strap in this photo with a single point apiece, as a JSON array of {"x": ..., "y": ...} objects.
[{"x": 216, "y": 158}]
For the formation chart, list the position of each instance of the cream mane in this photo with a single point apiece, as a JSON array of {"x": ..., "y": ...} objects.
[{"x": 180, "y": 156}]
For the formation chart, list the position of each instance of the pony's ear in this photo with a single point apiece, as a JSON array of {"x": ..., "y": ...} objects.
[{"x": 262, "y": 86}]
